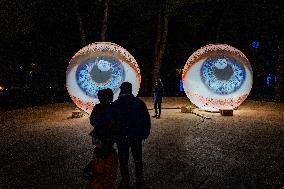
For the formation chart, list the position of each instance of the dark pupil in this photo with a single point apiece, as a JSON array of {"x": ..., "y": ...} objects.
[
  {"x": 223, "y": 74},
  {"x": 100, "y": 76}
]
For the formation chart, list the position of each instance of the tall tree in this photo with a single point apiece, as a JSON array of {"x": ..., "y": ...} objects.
[
  {"x": 167, "y": 8},
  {"x": 80, "y": 22},
  {"x": 161, "y": 39},
  {"x": 104, "y": 21},
  {"x": 222, "y": 14}
]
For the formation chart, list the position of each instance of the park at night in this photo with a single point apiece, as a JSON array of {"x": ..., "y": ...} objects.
[{"x": 117, "y": 94}]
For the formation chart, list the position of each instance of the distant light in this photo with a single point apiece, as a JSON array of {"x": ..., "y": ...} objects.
[
  {"x": 255, "y": 44},
  {"x": 21, "y": 67},
  {"x": 178, "y": 71},
  {"x": 180, "y": 86},
  {"x": 270, "y": 79},
  {"x": 2, "y": 88}
]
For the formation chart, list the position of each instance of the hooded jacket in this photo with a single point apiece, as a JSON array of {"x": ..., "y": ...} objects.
[{"x": 130, "y": 118}]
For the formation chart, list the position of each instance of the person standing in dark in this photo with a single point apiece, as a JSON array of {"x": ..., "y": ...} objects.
[
  {"x": 99, "y": 118},
  {"x": 131, "y": 125},
  {"x": 158, "y": 97}
]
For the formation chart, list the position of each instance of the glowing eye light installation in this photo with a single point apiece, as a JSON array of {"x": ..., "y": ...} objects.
[
  {"x": 217, "y": 76},
  {"x": 100, "y": 73},
  {"x": 99, "y": 66},
  {"x": 222, "y": 75}
]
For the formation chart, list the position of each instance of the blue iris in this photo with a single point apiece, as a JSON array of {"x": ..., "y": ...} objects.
[
  {"x": 100, "y": 73},
  {"x": 222, "y": 75}
]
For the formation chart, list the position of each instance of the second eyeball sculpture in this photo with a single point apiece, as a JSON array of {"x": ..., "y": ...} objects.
[
  {"x": 217, "y": 76},
  {"x": 99, "y": 66}
]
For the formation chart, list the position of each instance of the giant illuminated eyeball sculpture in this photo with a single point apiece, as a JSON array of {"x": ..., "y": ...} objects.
[
  {"x": 217, "y": 76},
  {"x": 99, "y": 66}
]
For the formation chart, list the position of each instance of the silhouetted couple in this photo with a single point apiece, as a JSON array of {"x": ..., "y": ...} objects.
[{"x": 125, "y": 122}]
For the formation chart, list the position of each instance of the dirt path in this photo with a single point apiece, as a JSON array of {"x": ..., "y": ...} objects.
[{"x": 41, "y": 148}]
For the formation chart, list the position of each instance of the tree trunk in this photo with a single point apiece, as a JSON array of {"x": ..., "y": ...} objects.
[
  {"x": 219, "y": 27},
  {"x": 104, "y": 21},
  {"x": 279, "y": 85},
  {"x": 161, "y": 42},
  {"x": 157, "y": 45},
  {"x": 80, "y": 22}
]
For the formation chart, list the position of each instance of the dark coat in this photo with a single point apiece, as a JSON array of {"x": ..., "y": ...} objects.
[
  {"x": 100, "y": 120},
  {"x": 130, "y": 119},
  {"x": 158, "y": 93}
]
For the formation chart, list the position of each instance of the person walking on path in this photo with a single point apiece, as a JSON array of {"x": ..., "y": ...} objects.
[
  {"x": 131, "y": 125},
  {"x": 157, "y": 98}
]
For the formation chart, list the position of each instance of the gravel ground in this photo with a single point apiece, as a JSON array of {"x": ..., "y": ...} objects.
[{"x": 42, "y": 148}]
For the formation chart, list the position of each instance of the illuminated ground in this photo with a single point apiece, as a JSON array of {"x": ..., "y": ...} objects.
[{"x": 41, "y": 148}]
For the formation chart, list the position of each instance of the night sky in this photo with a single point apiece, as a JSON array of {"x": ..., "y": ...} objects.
[{"x": 39, "y": 37}]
